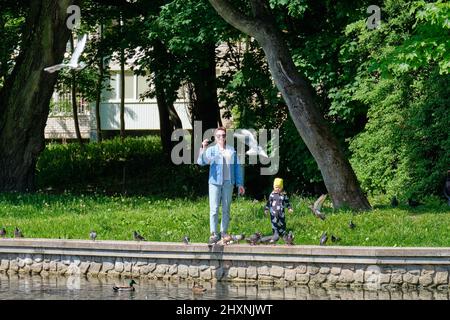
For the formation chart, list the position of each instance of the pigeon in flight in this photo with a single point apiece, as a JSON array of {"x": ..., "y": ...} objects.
[
  {"x": 73, "y": 63},
  {"x": 137, "y": 236},
  {"x": 250, "y": 140},
  {"x": 318, "y": 206},
  {"x": 93, "y": 235}
]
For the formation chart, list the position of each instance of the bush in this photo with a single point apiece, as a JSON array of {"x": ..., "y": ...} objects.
[{"x": 136, "y": 165}]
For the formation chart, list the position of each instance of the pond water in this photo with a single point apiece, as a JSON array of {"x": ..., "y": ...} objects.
[{"x": 26, "y": 287}]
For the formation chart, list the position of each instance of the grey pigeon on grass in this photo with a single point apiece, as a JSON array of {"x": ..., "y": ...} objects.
[
  {"x": 137, "y": 236},
  {"x": 92, "y": 235},
  {"x": 323, "y": 239},
  {"x": 18, "y": 233}
]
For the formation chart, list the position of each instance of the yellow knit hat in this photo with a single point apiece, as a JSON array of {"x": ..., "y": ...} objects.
[{"x": 278, "y": 182}]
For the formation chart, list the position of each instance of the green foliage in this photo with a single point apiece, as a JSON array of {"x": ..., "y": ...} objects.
[
  {"x": 405, "y": 147},
  {"x": 136, "y": 165}
]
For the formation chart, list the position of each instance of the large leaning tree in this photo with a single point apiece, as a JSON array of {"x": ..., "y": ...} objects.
[
  {"x": 338, "y": 175},
  {"x": 25, "y": 97}
]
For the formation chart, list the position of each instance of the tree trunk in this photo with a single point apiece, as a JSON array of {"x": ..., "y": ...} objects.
[
  {"x": 206, "y": 104},
  {"x": 338, "y": 175},
  {"x": 25, "y": 98},
  {"x": 168, "y": 116},
  {"x": 122, "y": 84},
  {"x": 99, "y": 89},
  {"x": 74, "y": 97}
]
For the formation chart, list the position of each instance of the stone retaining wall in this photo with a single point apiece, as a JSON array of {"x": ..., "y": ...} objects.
[{"x": 288, "y": 265}]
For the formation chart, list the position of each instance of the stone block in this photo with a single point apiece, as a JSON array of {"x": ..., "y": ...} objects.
[
  {"x": 173, "y": 269},
  {"x": 107, "y": 266},
  {"x": 233, "y": 272},
  {"x": 324, "y": 270},
  {"x": 302, "y": 278},
  {"x": 119, "y": 266},
  {"x": 277, "y": 271},
  {"x": 359, "y": 276},
  {"x": 263, "y": 271},
  {"x": 84, "y": 266},
  {"x": 94, "y": 268},
  {"x": 441, "y": 277},
  {"x": 301, "y": 268},
  {"x": 311, "y": 269},
  {"x": 426, "y": 280},
  {"x": 4, "y": 265},
  {"x": 335, "y": 270},
  {"x": 252, "y": 273},
  {"x": 289, "y": 275},
  {"x": 193, "y": 271},
  {"x": 346, "y": 276},
  {"x": 206, "y": 274},
  {"x": 409, "y": 278},
  {"x": 183, "y": 271},
  {"x": 36, "y": 267}
]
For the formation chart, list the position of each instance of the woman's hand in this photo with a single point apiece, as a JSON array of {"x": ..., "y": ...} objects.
[{"x": 205, "y": 143}]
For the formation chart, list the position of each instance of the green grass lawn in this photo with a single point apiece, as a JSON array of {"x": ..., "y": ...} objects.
[{"x": 70, "y": 216}]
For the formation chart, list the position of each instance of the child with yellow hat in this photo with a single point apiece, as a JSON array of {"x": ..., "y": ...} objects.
[{"x": 277, "y": 202}]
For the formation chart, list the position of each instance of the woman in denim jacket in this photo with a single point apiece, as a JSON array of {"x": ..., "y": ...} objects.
[{"x": 224, "y": 172}]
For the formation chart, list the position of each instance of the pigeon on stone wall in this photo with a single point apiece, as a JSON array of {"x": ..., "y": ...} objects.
[
  {"x": 92, "y": 235},
  {"x": 254, "y": 238},
  {"x": 186, "y": 240}
]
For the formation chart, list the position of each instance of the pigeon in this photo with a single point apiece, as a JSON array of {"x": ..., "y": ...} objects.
[
  {"x": 73, "y": 63},
  {"x": 3, "y": 232},
  {"x": 18, "y": 233},
  {"x": 213, "y": 239},
  {"x": 254, "y": 238},
  {"x": 323, "y": 239},
  {"x": 137, "y": 236},
  {"x": 226, "y": 239},
  {"x": 394, "y": 202},
  {"x": 93, "y": 235},
  {"x": 334, "y": 238},
  {"x": 413, "y": 203},
  {"x": 318, "y": 206},
  {"x": 289, "y": 238},
  {"x": 265, "y": 239},
  {"x": 275, "y": 238},
  {"x": 186, "y": 240},
  {"x": 250, "y": 140},
  {"x": 351, "y": 225},
  {"x": 237, "y": 238}
]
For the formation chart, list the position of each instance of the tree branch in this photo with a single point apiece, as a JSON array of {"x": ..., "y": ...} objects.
[{"x": 236, "y": 18}]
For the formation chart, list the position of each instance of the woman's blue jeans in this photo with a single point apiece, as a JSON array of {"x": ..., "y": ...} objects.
[{"x": 220, "y": 194}]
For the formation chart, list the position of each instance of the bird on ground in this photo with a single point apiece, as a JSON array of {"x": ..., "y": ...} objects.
[
  {"x": 18, "y": 233},
  {"x": 275, "y": 238},
  {"x": 265, "y": 239},
  {"x": 137, "y": 236},
  {"x": 289, "y": 238},
  {"x": 335, "y": 238},
  {"x": 394, "y": 202},
  {"x": 237, "y": 238},
  {"x": 126, "y": 288},
  {"x": 73, "y": 63},
  {"x": 249, "y": 139},
  {"x": 351, "y": 225},
  {"x": 92, "y": 235},
  {"x": 186, "y": 240},
  {"x": 226, "y": 239},
  {"x": 198, "y": 288},
  {"x": 323, "y": 239},
  {"x": 413, "y": 203},
  {"x": 254, "y": 238},
  {"x": 3, "y": 232},
  {"x": 318, "y": 206}
]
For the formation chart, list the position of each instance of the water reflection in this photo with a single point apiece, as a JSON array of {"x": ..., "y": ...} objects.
[{"x": 93, "y": 288}]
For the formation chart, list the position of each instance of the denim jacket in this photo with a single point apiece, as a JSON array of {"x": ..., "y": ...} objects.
[{"x": 213, "y": 157}]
